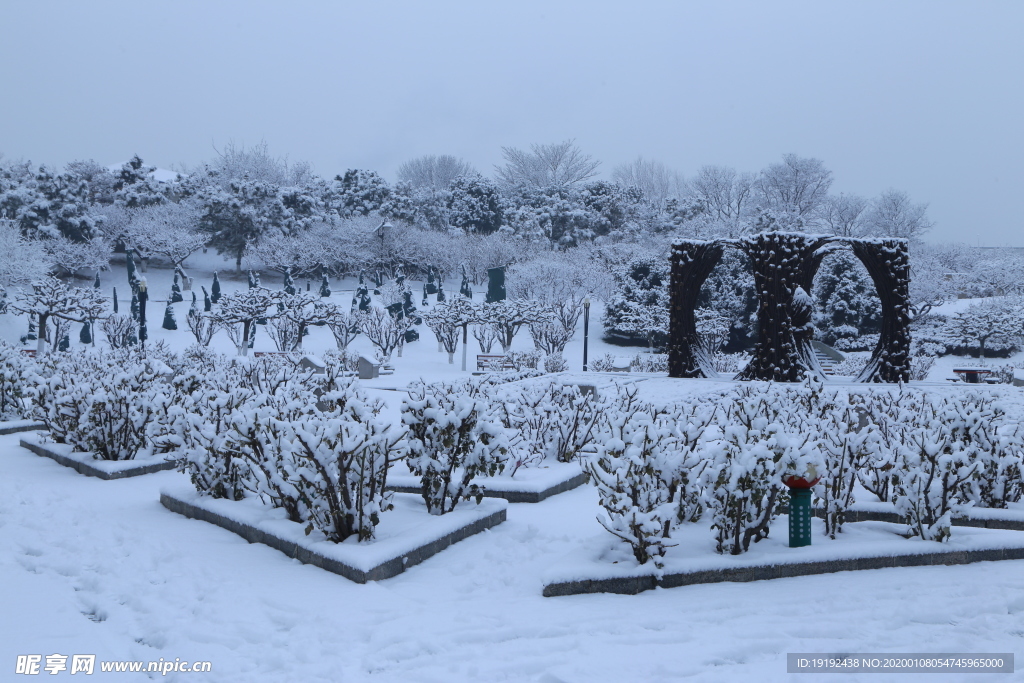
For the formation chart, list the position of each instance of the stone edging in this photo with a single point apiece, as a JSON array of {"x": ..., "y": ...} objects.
[
  {"x": 637, "y": 584},
  {"x": 91, "y": 471},
  {"x": 29, "y": 427},
  {"x": 385, "y": 570},
  {"x": 514, "y": 496},
  {"x": 850, "y": 516}
]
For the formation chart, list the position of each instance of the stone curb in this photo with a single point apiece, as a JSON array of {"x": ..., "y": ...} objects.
[
  {"x": 90, "y": 471},
  {"x": 384, "y": 570},
  {"x": 31, "y": 427},
  {"x": 516, "y": 496},
  {"x": 880, "y": 516},
  {"x": 637, "y": 584}
]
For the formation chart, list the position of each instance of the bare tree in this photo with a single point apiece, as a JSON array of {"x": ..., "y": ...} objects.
[
  {"x": 169, "y": 230},
  {"x": 728, "y": 196},
  {"x": 434, "y": 172},
  {"x": 559, "y": 165},
  {"x": 24, "y": 260},
  {"x": 797, "y": 186},
  {"x": 74, "y": 256},
  {"x": 654, "y": 179},
  {"x": 51, "y": 298},
  {"x": 892, "y": 214},
  {"x": 843, "y": 216},
  {"x": 237, "y": 161}
]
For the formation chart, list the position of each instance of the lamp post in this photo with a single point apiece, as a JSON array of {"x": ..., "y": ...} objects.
[{"x": 586, "y": 329}]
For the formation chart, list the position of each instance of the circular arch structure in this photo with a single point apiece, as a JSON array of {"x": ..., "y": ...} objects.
[{"x": 784, "y": 265}]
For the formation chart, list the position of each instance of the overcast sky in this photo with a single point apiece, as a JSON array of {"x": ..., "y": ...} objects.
[{"x": 925, "y": 97}]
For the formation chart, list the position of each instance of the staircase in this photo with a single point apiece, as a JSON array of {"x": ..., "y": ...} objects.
[{"x": 826, "y": 363}]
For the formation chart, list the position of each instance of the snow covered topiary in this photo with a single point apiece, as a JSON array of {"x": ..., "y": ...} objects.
[{"x": 453, "y": 437}]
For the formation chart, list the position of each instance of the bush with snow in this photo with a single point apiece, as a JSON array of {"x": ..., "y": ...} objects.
[
  {"x": 647, "y": 470},
  {"x": 102, "y": 403},
  {"x": 453, "y": 437},
  {"x": 16, "y": 378}
]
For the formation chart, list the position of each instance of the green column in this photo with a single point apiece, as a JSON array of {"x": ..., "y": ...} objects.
[{"x": 799, "y": 517}]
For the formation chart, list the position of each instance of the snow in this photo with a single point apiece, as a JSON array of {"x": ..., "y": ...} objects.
[
  {"x": 91, "y": 566},
  {"x": 100, "y": 567},
  {"x": 108, "y": 466},
  {"x": 528, "y": 479},
  {"x": 400, "y": 532}
]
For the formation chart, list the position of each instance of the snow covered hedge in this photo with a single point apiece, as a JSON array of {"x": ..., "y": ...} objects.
[
  {"x": 933, "y": 454},
  {"x": 16, "y": 380},
  {"x": 102, "y": 403}
]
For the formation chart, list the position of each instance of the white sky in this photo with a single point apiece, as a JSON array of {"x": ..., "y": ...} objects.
[{"x": 922, "y": 96}]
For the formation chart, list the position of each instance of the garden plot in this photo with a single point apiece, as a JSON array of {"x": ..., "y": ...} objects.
[
  {"x": 601, "y": 567},
  {"x": 92, "y": 466},
  {"x": 406, "y": 536}
]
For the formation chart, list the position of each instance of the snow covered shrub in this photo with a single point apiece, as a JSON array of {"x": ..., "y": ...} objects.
[
  {"x": 546, "y": 421},
  {"x": 550, "y": 337},
  {"x": 939, "y": 454},
  {"x": 920, "y": 366},
  {"x": 832, "y": 417},
  {"x": 759, "y": 447},
  {"x": 729, "y": 363},
  {"x": 603, "y": 364},
  {"x": 383, "y": 331},
  {"x": 522, "y": 360},
  {"x": 337, "y": 458},
  {"x": 999, "y": 439},
  {"x": 555, "y": 362},
  {"x": 103, "y": 403},
  {"x": 453, "y": 436},
  {"x": 15, "y": 378},
  {"x": 887, "y": 419},
  {"x": 649, "y": 362},
  {"x": 647, "y": 471}
]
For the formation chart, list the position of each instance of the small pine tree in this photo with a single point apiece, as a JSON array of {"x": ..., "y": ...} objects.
[
  {"x": 207, "y": 302},
  {"x": 325, "y": 286},
  {"x": 176, "y": 291},
  {"x": 169, "y": 322},
  {"x": 289, "y": 285},
  {"x": 215, "y": 289},
  {"x": 96, "y": 282},
  {"x": 65, "y": 343},
  {"x": 115, "y": 299},
  {"x": 430, "y": 287}
]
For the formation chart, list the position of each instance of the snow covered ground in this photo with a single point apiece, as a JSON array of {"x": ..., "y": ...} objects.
[{"x": 100, "y": 567}]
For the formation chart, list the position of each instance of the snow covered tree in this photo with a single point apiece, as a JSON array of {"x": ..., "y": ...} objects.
[
  {"x": 507, "y": 317},
  {"x": 892, "y": 214},
  {"x": 448, "y": 321},
  {"x": 51, "y": 298},
  {"x": 559, "y": 165},
  {"x": 73, "y": 256},
  {"x": 170, "y": 230},
  {"x": 994, "y": 322},
  {"x": 16, "y": 380},
  {"x": 120, "y": 331},
  {"x": 453, "y": 437},
  {"x": 24, "y": 260},
  {"x": 846, "y": 306},
  {"x": 639, "y": 307},
  {"x": 203, "y": 327},
  {"x": 245, "y": 307},
  {"x": 475, "y": 205},
  {"x": 383, "y": 331}
]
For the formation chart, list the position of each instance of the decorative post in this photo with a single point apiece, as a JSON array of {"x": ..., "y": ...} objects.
[
  {"x": 143, "y": 298},
  {"x": 586, "y": 329},
  {"x": 800, "y": 508}
]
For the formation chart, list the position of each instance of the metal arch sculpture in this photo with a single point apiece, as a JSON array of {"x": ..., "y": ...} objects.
[{"x": 784, "y": 266}]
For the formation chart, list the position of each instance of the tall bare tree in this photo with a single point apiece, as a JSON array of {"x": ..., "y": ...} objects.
[{"x": 560, "y": 165}]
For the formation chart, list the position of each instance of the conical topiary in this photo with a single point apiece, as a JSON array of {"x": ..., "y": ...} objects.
[
  {"x": 289, "y": 285},
  {"x": 207, "y": 302},
  {"x": 169, "y": 322},
  {"x": 325, "y": 286},
  {"x": 115, "y": 299},
  {"x": 176, "y": 291},
  {"x": 85, "y": 336},
  {"x": 215, "y": 289}
]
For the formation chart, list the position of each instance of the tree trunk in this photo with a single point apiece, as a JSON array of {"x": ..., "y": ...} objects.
[
  {"x": 692, "y": 263},
  {"x": 41, "y": 343},
  {"x": 243, "y": 348}
]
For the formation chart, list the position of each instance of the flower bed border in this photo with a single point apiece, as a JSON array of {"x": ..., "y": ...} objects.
[
  {"x": 383, "y": 570},
  {"x": 514, "y": 495},
  {"x": 88, "y": 470},
  {"x": 16, "y": 426},
  {"x": 637, "y": 584}
]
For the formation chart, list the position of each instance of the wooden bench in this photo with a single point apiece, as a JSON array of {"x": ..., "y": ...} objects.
[{"x": 486, "y": 361}]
